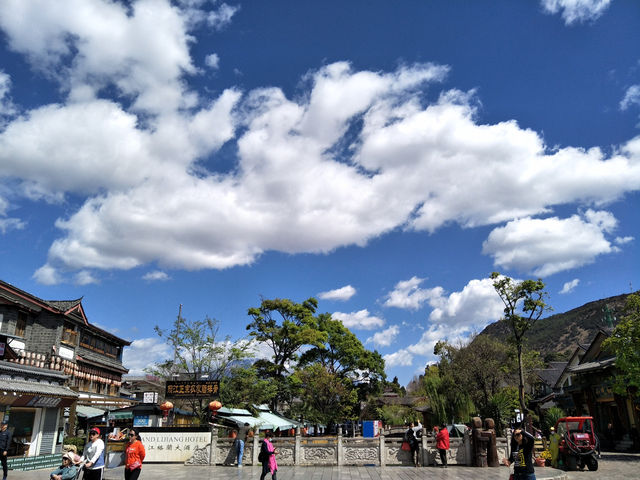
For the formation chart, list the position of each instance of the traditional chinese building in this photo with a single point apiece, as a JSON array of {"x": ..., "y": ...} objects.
[{"x": 52, "y": 342}]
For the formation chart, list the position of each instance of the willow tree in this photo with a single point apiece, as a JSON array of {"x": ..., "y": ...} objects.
[{"x": 524, "y": 303}]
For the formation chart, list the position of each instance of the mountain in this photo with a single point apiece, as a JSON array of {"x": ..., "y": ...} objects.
[{"x": 557, "y": 336}]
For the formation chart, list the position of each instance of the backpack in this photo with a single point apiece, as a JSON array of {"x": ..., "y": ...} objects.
[{"x": 262, "y": 457}]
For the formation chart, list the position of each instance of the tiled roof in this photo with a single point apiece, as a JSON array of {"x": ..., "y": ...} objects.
[
  {"x": 39, "y": 388},
  {"x": 63, "y": 305}
]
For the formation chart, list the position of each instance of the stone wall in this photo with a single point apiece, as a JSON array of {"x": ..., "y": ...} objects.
[{"x": 340, "y": 450}]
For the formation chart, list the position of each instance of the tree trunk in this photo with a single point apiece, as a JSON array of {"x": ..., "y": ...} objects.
[{"x": 523, "y": 407}]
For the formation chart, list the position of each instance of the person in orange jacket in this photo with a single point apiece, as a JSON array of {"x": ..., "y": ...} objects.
[{"x": 134, "y": 456}]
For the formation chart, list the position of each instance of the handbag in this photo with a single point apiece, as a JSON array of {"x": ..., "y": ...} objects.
[{"x": 406, "y": 447}]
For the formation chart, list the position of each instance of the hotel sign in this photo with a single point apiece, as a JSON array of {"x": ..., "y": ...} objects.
[
  {"x": 173, "y": 446},
  {"x": 192, "y": 389}
]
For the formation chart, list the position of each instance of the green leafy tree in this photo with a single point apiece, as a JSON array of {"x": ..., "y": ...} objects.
[
  {"x": 342, "y": 354},
  {"x": 243, "y": 388},
  {"x": 284, "y": 326},
  {"x": 199, "y": 352},
  {"x": 326, "y": 396},
  {"x": 501, "y": 406},
  {"x": 524, "y": 303},
  {"x": 624, "y": 343}
]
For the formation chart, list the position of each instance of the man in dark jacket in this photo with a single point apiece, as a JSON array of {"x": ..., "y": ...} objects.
[
  {"x": 5, "y": 441},
  {"x": 522, "y": 455}
]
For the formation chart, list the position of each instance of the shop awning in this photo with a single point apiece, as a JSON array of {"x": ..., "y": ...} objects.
[
  {"x": 120, "y": 415},
  {"x": 275, "y": 421},
  {"x": 86, "y": 411}
]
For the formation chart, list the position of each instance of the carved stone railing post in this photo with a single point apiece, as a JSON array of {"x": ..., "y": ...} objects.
[
  {"x": 383, "y": 452},
  {"x": 424, "y": 453},
  {"x": 213, "y": 446},
  {"x": 297, "y": 449},
  {"x": 339, "y": 450},
  {"x": 256, "y": 448}
]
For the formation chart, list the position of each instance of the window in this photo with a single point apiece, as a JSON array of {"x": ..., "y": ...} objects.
[
  {"x": 69, "y": 334},
  {"x": 21, "y": 324}
]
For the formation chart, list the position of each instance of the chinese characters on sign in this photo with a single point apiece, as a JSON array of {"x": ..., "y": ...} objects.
[{"x": 192, "y": 389}]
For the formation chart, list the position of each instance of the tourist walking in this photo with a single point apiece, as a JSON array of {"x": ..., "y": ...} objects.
[
  {"x": 268, "y": 457},
  {"x": 442, "y": 444},
  {"x": 5, "y": 441},
  {"x": 240, "y": 441},
  {"x": 522, "y": 455},
  {"x": 93, "y": 456},
  {"x": 410, "y": 438},
  {"x": 68, "y": 469},
  {"x": 134, "y": 455}
]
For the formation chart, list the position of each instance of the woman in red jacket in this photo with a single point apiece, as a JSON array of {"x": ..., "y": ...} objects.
[
  {"x": 134, "y": 456},
  {"x": 442, "y": 444}
]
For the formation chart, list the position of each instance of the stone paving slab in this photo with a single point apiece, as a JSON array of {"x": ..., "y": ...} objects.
[{"x": 181, "y": 472}]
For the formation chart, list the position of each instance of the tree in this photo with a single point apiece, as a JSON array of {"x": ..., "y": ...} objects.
[
  {"x": 342, "y": 354},
  {"x": 326, "y": 397},
  {"x": 624, "y": 342},
  {"x": 243, "y": 388},
  {"x": 199, "y": 353},
  {"x": 284, "y": 326},
  {"x": 524, "y": 303}
]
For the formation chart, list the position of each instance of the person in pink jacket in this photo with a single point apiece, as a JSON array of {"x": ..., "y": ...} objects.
[
  {"x": 442, "y": 444},
  {"x": 268, "y": 453}
]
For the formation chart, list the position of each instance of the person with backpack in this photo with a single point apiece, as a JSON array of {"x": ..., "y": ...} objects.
[
  {"x": 414, "y": 445},
  {"x": 267, "y": 457}
]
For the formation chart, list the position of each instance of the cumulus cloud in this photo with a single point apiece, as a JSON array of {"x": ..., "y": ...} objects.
[
  {"x": 551, "y": 245},
  {"x": 212, "y": 61},
  {"x": 408, "y": 294},
  {"x": 385, "y": 337},
  {"x": 144, "y": 353},
  {"x": 576, "y": 11},
  {"x": 343, "y": 293},
  {"x": 361, "y": 320},
  {"x": 220, "y": 18},
  {"x": 155, "y": 276},
  {"x": 631, "y": 97},
  {"x": 569, "y": 287},
  {"x": 401, "y": 358},
  {"x": 143, "y": 163},
  {"x": 84, "y": 277}
]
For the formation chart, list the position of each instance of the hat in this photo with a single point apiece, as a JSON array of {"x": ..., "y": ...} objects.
[
  {"x": 4, "y": 422},
  {"x": 95, "y": 429},
  {"x": 73, "y": 457}
]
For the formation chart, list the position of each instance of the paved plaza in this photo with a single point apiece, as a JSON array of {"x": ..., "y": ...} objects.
[{"x": 612, "y": 467}]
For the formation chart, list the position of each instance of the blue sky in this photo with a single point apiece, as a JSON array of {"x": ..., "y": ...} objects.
[{"x": 384, "y": 157}]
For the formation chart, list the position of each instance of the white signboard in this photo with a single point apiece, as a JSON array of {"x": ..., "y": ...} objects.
[
  {"x": 150, "y": 397},
  {"x": 173, "y": 446},
  {"x": 65, "y": 352}
]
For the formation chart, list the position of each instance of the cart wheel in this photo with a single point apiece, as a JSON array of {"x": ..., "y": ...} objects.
[{"x": 592, "y": 463}]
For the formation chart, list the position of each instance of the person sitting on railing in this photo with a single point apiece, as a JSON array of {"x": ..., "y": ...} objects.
[{"x": 68, "y": 470}]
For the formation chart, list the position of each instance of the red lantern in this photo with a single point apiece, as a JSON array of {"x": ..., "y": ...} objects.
[
  {"x": 165, "y": 407},
  {"x": 215, "y": 406}
]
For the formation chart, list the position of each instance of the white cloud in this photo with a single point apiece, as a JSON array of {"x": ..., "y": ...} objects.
[
  {"x": 212, "y": 61},
  {"x": 143, "y": 353},
  {"x": 576, "y": 11},
  {"x": 631, "y": 97},
  {"x": 47, "y": 275},
  {"x": 401, "y": 358},
  {"x": 156, "y": 275},
  {"x": 143, "y": 164},
  {"x": 220, "y": 18},
  {"x": 7, "y": 107},
  {"x": 569, "y": 287},
  {"x": 623, "y": 240},
  {"x": 551, "y": 245},
  {"x": 407, "y": 294},
  {"x": 343, "y": 293},
  {"x": 361, "y": 319},
  {"x": 84, "y": 277},
  {"x": 385, "y": 337}
]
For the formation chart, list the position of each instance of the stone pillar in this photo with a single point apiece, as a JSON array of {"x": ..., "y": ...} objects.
[
  {"x": 339, "y": 447},
  {"x": 256, "y": 447},
  {"x": 424, "y": 453},
  {"x": 213, "y": 446},
  {"x": 383, "y": 451},
  {"x": 466, "y": 445},
  {"x": 297, "y": 449}
]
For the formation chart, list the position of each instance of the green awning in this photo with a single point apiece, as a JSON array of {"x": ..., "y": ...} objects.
[{"x": 120, "y": 415}]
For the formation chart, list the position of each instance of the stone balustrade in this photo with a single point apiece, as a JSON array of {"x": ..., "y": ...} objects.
[{"x": 340, "y": 450}]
